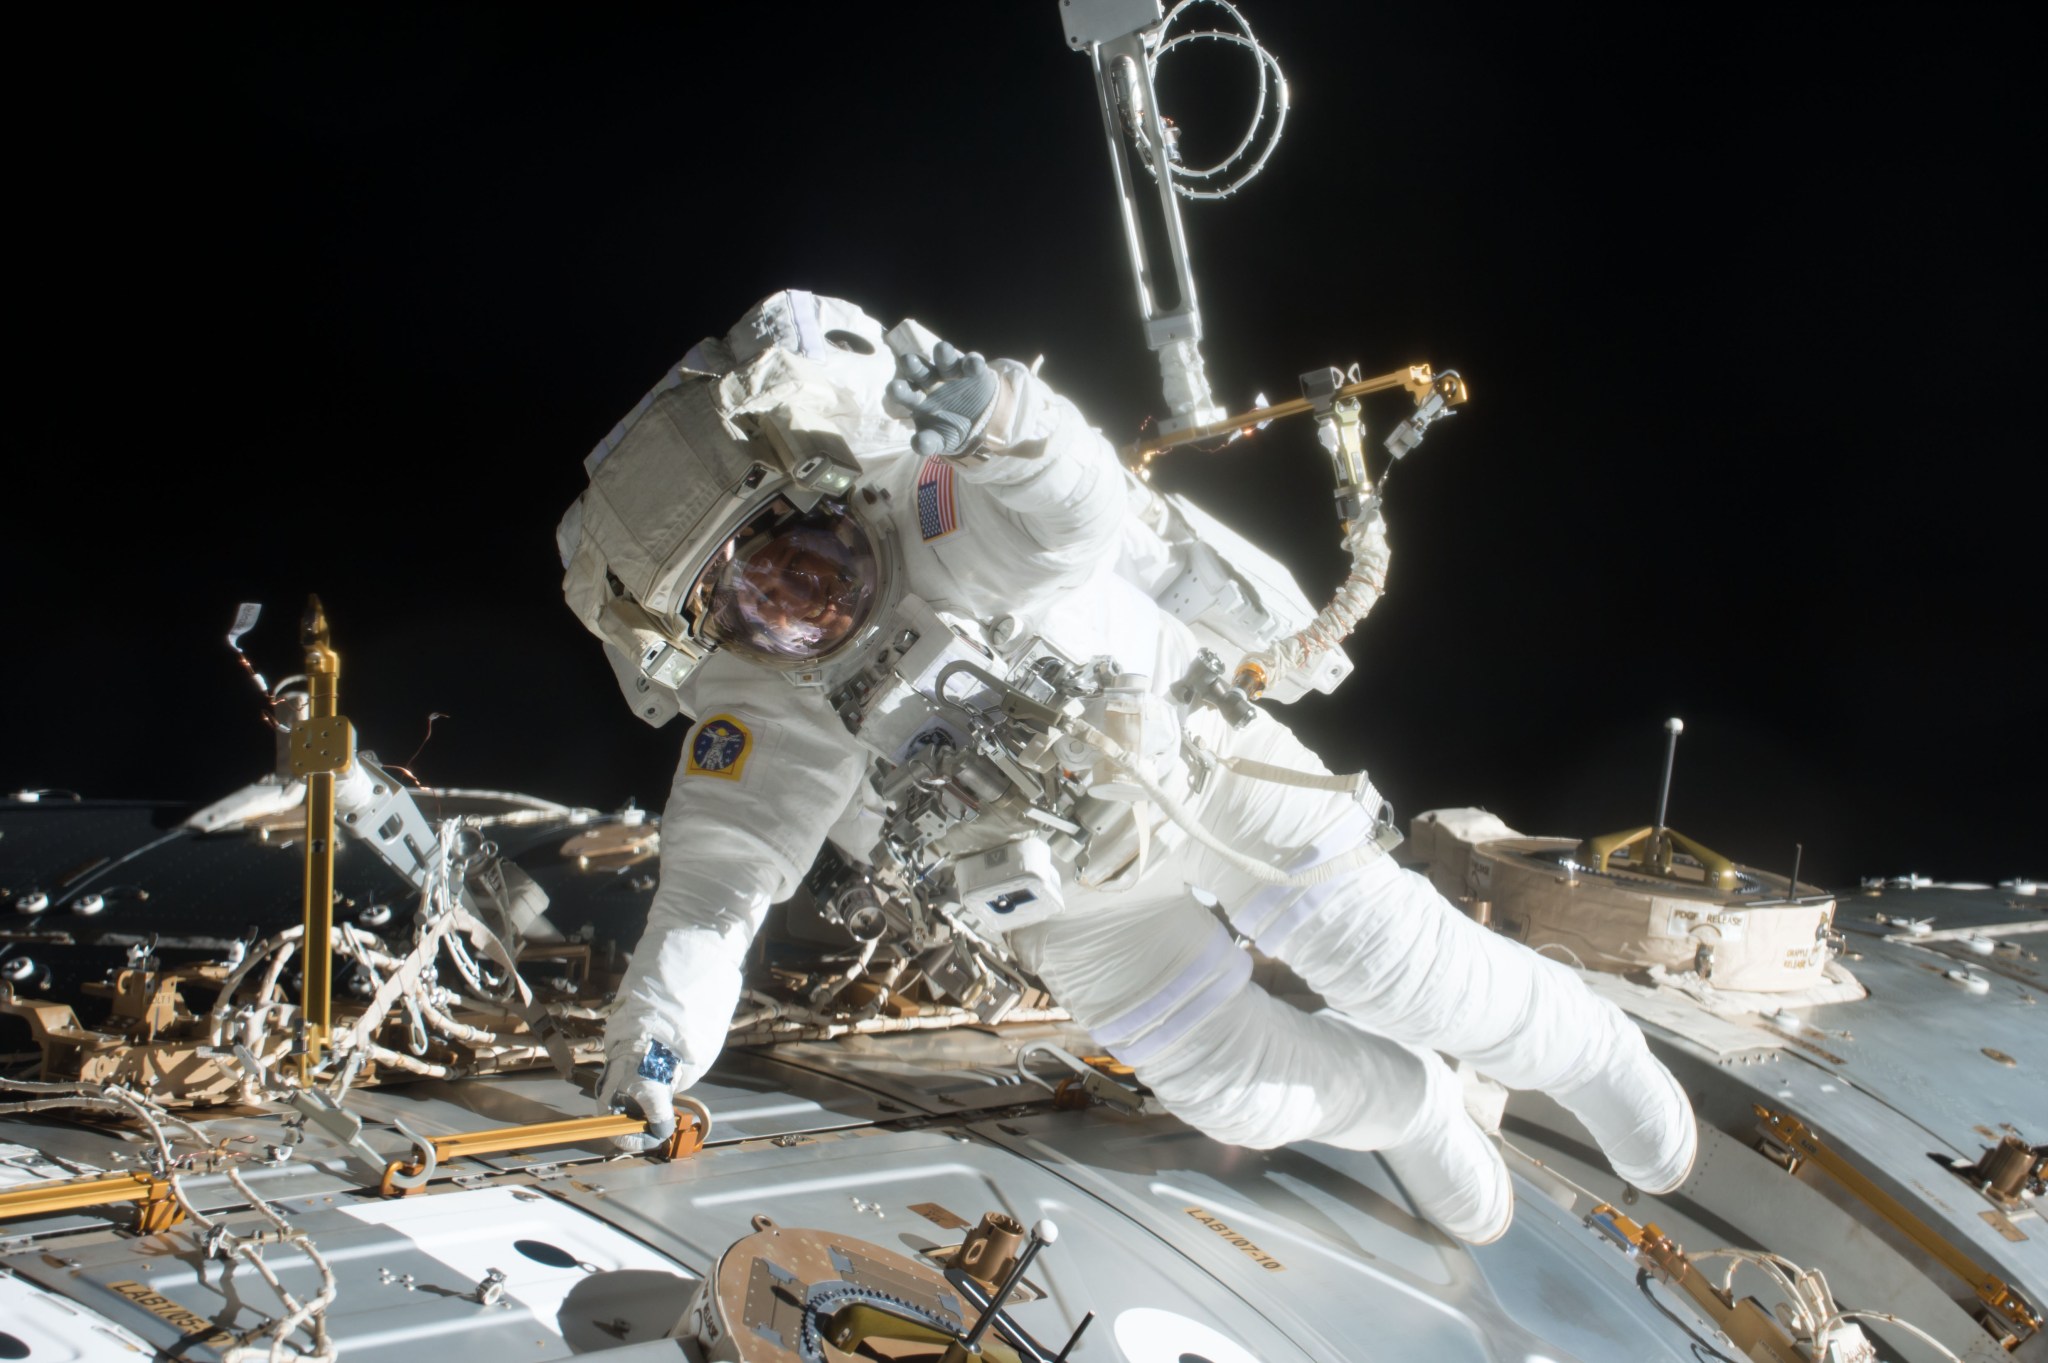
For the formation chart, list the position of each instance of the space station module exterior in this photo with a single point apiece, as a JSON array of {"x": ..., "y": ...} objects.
[{"x": 1036, "y": 544}]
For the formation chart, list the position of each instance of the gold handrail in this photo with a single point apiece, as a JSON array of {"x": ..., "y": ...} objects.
[
  {"x": 692, "y": 1128},
  {"x": 157, "y": 1210},
  {"x": 1796, "y": 1137},
  {"x": 1416, "y": 378}
]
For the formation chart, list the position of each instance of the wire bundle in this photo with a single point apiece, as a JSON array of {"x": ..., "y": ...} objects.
[{"x": 1236, "y": 170}]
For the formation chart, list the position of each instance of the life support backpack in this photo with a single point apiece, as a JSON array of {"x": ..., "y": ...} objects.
[{"x": 654, "y": 483}]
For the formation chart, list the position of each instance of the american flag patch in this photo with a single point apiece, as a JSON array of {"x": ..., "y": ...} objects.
[{"x": 936, "y": 517}]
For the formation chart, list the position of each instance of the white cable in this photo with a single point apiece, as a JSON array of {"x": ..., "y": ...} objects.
[
  {"x": 447, "y": 1026},
  {"x": 412, "y": 976},
  {"x": 1888, "y": 1318},
  {"x": 1808, "y": 1293},
  {"x": 1251, "y": 866},
  {"x": 793, "y": 1029},
  {"x": 309, "y": 1314},
  {"x": 1786, "y": 1284},
  {"x": 1181, "y": 177},
  {"x": 399, "y": 1060},
  {"x": 49, "y": 1085},
  {"x": 312, "y": 1311},
  {"x": 49, "y": 1104},
  {"x": 276, "y": 970},
  {"x": 223, "y": 1004},
  {"x": 415, "y": 977}
]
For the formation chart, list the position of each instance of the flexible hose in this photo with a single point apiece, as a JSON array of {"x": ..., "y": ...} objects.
[{"x": 1353, "y": 600}]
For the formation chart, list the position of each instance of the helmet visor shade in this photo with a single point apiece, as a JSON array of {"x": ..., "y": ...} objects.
[{"x": 793, "y": 591}]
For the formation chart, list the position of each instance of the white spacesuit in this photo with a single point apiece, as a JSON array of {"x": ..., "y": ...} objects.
[{"x": 975, "y": 496}]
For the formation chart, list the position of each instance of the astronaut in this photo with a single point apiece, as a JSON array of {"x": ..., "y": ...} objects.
[{"x": 799, "y": 498}]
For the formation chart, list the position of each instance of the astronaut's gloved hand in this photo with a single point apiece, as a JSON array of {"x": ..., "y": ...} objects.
[
  {"x": 950, "y": 400},
  {"x": 641, "y": 1083}
]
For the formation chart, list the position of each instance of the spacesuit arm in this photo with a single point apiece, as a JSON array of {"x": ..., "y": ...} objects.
[
  {"x": 764, "y": 774},
  {"x": 1049, "y": 471},
  {"x": 684, "y": 979}
]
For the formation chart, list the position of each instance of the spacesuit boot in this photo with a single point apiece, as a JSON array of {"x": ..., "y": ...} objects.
[{"x": 1449, "y": 1166}]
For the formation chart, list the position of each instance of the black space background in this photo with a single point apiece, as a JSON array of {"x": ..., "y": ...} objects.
[{"x": 1750, "y": 301}]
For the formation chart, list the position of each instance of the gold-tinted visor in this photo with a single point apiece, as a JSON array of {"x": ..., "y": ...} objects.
[{"x": 790, "y": 587}]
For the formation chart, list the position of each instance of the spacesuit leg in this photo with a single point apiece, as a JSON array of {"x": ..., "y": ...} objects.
[
  {"x": 1385, "y": 949},
  {"x": 1163, "y": 988}
]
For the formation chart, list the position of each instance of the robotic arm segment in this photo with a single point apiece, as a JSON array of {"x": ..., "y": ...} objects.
[
  {"x": 378, "y": 811},
  {"x": 1117, "y": 35}
]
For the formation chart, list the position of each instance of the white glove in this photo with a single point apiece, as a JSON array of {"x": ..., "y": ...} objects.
[
  {"x": 950, "y": 400},
  {"x": 641, "y": 1083}
]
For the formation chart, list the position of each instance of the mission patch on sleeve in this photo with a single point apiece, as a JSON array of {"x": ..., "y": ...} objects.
[{"x": 719, "y": 748}]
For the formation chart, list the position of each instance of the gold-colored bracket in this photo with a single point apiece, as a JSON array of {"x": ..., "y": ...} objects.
[
  {"x": 155, "y": 1208},
  {"x": 693, "y": 1125},
  {"x": 853, "y": 1326},
  {"x": 1794, "y": 1136},
  {"x": 1610, "y": 1220},
  {"x": 322, "y": 747},
  {"x": 1755, "y": 1331},
  {"x": 1417, "y": 379},
  {"x": 1656, "y": 856}
]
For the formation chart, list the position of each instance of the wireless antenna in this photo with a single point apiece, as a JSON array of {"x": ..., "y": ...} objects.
[{"x": 1674, "y": 727}]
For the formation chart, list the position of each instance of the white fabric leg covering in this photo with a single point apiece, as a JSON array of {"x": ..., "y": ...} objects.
[
  {"x": 1383, "y": 947},
  {"x": 1163, "y": 988}
]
